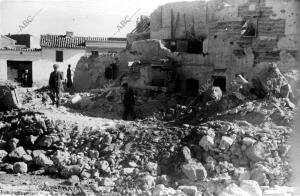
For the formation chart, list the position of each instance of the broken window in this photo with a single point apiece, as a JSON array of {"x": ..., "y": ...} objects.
[
  {"x": 59, "y": 56},
  {"x": 249, "y": 28},
  {"x": 195, "y": 46}
]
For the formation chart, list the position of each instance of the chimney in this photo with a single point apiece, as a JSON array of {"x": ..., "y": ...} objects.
[{"x": 69, "y": 34}]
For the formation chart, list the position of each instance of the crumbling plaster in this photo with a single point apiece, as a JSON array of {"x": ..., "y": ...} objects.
[
  {"x": 195, "y": 16},
  {"x": 229, "y": 53},
  {"x": 89, "y": 71},
  {"x": 276, "y": 40}
]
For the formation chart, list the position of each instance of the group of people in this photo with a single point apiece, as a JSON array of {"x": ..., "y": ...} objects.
[{"x": 56, "y": 88}]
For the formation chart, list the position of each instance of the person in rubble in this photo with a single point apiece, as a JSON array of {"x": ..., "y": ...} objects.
[
  {"x": 25, "y": 78},
  {"x": 69, "y": 77},
  {"x": 55, "y": 85},
  {"x": 128, "y": 102}
]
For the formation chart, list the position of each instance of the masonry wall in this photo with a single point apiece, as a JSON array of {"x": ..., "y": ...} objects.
[
  {"x": 275, "y": 41},
  {"x": 89, "y": 72},
  {"x": 229, "y": 53},
  {"x": 190, "y": 15}
]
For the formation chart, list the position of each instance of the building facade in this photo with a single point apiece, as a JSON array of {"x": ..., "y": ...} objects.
[
  {"x": 63, "y": 50},
  {"x": 217, "y": 39}
]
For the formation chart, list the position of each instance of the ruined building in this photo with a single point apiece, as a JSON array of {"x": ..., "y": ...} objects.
[{"x": 212, "y": 41}]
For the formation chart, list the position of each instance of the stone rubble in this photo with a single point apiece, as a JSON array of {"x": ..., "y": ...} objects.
[{"x": 225, "y": 146}]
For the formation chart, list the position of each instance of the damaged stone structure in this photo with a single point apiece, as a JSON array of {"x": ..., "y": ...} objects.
[{"x": 214, "y": 41}]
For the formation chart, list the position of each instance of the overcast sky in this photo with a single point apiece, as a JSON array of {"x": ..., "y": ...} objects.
[{"x": 83, "y": 17}]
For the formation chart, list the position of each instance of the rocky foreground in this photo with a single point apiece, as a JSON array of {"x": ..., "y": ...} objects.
[
  {"x": 231, "y": 145},
  {"x": 152, "y": 157}
]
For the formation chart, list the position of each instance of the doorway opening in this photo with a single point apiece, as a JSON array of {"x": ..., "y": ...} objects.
[
  {"x": 111, "y": 71},
  {"x": 192, "y": 87},
  {"x": 220, "y": 81},
  {"x": 20, "y": 72}
]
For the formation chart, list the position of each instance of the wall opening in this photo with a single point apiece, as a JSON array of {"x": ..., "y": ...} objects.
[
  {"x": 111, "y": 71},
  {"x": 220, "y": 81},
  {"x": 16, "y": 72},
  {"x": 192, "y": 87},
  {"x": 95, "y": 53},
  {"x": 195, "y": 46}
]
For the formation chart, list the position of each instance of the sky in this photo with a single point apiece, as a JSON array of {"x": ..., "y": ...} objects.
[{"x": 83, "y": 17}]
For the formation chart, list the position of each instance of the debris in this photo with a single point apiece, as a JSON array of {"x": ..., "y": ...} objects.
[{"x": 20, "y": 167}]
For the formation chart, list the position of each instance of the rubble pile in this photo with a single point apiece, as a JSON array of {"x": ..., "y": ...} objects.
[
  {"x": 218, "y": 144},
  {"x": 152, "y": 157}
]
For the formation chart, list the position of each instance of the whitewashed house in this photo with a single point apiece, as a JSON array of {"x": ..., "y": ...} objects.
[{"x": 55, "y": 49}]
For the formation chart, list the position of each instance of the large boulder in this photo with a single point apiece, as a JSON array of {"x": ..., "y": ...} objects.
[
  {"x": 251, "y": 187},
  {"x": 20, "y": 167},
  {"x": 17, "y": 153},
  {"x": 257, "y": 152},
  {"x": 60, "y": 158},
  {"x": 160, "y": 190},
  {"x": 189, "y": 190},
  {"x": 272, "y": 82},
  {"x": 68, "y": 171},
  {"x": 3, "y": 154},
  {"x": 194, "y": 171},
  {"x": 42, "y": 160},
  {"x": 214, "y": 93}
]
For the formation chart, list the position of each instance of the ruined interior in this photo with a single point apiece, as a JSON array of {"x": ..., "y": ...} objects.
[{"x": 213, "y": 95}]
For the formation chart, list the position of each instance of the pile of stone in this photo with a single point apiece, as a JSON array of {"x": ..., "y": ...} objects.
[{"x": 152, "y": 157}]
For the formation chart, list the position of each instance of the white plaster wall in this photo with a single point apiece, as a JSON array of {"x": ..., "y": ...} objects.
[
  {"x": 42, "y": 70},
  {"x": 42, "y": 62},
  {"x": 5, "y": 55}
]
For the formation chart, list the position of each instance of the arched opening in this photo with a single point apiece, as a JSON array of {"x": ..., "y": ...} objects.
[{"x": 220, "y": 81}]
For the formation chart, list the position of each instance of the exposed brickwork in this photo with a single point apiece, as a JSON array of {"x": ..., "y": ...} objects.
[{"x": 264, "y": 50}]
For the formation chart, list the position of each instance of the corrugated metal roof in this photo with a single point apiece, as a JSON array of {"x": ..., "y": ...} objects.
[{"x": 62, "y": 41}]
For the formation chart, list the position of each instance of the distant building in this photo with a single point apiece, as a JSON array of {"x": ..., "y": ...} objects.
[
  {"x": 21, "y": 39},
  {"x": 7, "y": 42},
  {"x": 60, "y": 49}
]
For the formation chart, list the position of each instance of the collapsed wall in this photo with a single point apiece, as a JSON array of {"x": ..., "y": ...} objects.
[
  {"x": 227, "y": 48},
  {"x": 90, "y": 71}
]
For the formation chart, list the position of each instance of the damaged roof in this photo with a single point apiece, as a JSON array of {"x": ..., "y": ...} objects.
[{"x": 63, "y": 41}]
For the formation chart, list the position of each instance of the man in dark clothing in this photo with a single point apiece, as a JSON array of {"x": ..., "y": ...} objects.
[
  {"x": 26, "y": 79},
  {"x": 128, "y": 102},
  {"x": 55, "y": 85},
  {"x": 69, "y": 77}
]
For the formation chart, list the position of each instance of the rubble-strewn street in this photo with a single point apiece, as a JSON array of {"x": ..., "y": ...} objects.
[{"x": 241, "y": 148}]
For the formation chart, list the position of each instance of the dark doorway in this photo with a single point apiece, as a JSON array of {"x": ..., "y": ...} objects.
[
  {"x": 111, "y": 71},
  {"x": 16, "y": 71},
  {"x": 220, "y": 81},
  {"x": 192, "y": 87}
]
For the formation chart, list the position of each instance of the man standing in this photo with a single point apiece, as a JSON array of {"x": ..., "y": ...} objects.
[
  {"x": 128, "y": 102},
  {"x": 26, "y": 79},
  {"x": 69, "y": 77},
  {"x": 55, "y": 85}
]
